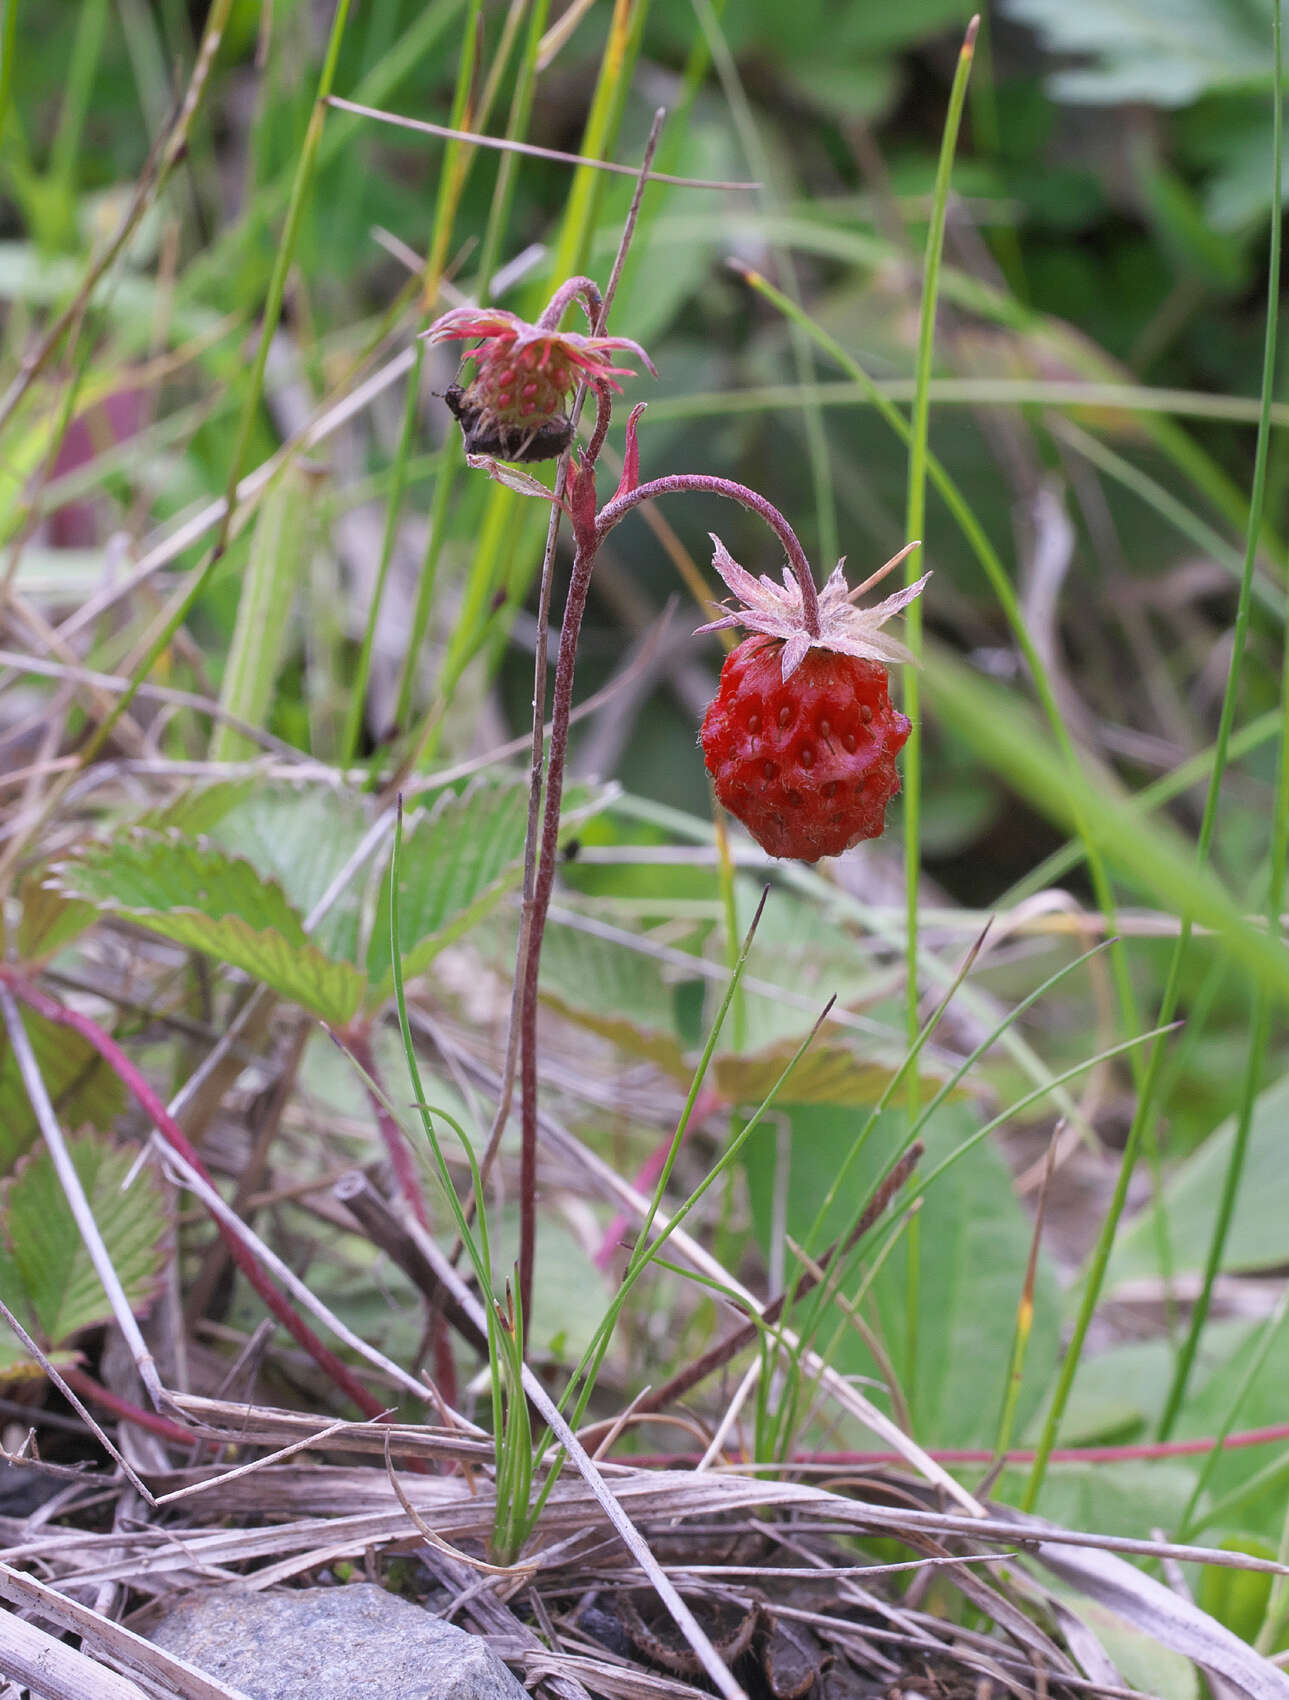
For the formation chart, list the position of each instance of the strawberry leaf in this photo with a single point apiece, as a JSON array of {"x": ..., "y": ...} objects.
[
  {"x": 207, "y": 900},
  {"x": 46, "y": 1276},
  {"x": 81, "y": 1085}
]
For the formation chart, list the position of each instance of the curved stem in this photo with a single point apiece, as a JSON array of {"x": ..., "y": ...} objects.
[
  {"x": 242, "y": 1254},
  {"x": 569, "y": 291},
  {"x": 701, "y": 483}
]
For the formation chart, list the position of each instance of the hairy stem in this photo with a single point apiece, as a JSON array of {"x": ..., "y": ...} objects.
[
  {"x": 702, "y": 483},
  {"x": 574, "y": 608},
  {"x": 589, "y": 540},
  {"x": 572, "y": 289}
]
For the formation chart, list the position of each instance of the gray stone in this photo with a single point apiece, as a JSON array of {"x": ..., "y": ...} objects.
[{"x": 353, "y": 1642}]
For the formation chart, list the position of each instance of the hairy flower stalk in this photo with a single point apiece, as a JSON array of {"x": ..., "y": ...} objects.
[{"x": 794, "y": 623}]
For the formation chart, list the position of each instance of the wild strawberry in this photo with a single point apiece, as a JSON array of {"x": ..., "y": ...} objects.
[
  {"x": 524, "y": 374},
  {"x": 801, "y": 737}
]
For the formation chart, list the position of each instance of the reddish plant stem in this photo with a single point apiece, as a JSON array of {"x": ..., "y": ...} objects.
[
  {"x": 590, "y": 531},
  {"x": 173, "y": 1134},
  {"x": 569, "y": 291},
  {"x": 562, "y": 705},
  {"x": 94, "y": 1393},
  {"x": 1146, "y": 1452},
  {"x": 357, "y": 1040},
  {"x": 702, "y": 483}
]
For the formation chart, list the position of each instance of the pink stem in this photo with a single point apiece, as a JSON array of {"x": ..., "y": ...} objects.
[
  {"x": 702, "y": 483},
  {"x": 1144, "y": 1452},
  {"x": 95, "y": 1394},
  {"x": 358, "y": 1040},
  {"x": 174, "y": 1136},
  {"x": 590, "y": 535},
  {"x": 569, "y": 291},
  {"x": 561, "y": 709}
]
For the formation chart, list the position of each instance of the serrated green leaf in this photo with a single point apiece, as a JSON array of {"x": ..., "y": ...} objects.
[
  {"x": 459, "y": 858},
  {"x": 83, "y": 1088},
  {"x": 207, "y": 900},
  {"x": 47, "y": 920},
  {"x": 302, "y": 837},
  {"x": 47, "y": 1278},
  {"x": 199, "y": 810}
]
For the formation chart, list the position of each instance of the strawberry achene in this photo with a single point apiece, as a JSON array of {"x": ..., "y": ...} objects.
[{"x": 807, "y": 763}]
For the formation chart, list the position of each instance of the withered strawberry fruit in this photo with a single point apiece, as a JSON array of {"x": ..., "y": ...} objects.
[
  {"x": 801, "y": 736},
  {"x": 807, "y": 763}
]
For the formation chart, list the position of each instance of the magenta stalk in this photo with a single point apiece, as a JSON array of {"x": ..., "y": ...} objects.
[{"x": 590, "y": 535}]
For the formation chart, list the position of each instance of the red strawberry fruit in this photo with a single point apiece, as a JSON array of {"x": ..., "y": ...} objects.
[{"x": 801, "y": 736}]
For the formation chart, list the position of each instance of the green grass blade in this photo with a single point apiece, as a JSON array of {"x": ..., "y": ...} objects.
[
  {"x": 915, "y": 527},
  {"x": 1261, "y": 1024},
  {"x": 765, "y": 168},
  {"x": 277, "y": 556}
]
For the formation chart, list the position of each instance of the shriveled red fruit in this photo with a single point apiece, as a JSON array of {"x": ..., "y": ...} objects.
[
  {"x": 807, "y": 763},
  {"x": 801, "y": 736}
]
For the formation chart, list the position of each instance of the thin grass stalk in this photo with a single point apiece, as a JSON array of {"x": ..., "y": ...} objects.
[
  {"x": 725, "y": 880},
  {"x": 506, "y": 533},
  {"x": 503, "y": 194},
  {"x": 1267, "y": 1338},
  {"x": 906, "y": 1068},
  {"x": 842, "y": 904},
  {"x": 207, "y": 274},
  {"x": 82, "y": 67},
  {"x": 503, "y": 1335},
  {"x": 351, "y": 731},
  {"x": 571, "y": 250},
  {"x": 584, "y": 1376},
  {"x": 1224, "y": 1512},
  {"x": 301, "y": 184},
  {"x": 988, "y": 557},
  {"x": 1024, "y": 1324},
  {"x": 1261, "y": 1021},
  {"x": 925, "y": 1182},
  {"x": 762, "y": 165},
  {"x": 8, "y": 55},
  {"x": 811, "y": 1323},
  {"x": 457, "y": 161},
  {"x": 74, "y": 1192},
  {"x": 822, "y": 1281},
  {"x": 1146, "y": 801},
  {"x": 161, "y": 163},
  {"x": 450, "y": 464},
  {"x": 639, "y": 1250},
  {"x": 915, "y": 525}
]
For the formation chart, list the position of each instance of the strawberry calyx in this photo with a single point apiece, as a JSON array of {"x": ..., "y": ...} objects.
[{"x": 778, "y": 611}]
